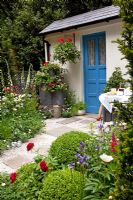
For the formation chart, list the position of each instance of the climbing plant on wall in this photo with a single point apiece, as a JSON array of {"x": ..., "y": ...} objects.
[{"x": 124, "y": 183}]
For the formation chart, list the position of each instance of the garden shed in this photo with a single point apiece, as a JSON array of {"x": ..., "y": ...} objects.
[{"x": 93, "y": 33}]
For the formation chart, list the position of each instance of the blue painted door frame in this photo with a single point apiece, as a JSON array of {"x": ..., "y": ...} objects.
[{"x": 94, "y": 70}]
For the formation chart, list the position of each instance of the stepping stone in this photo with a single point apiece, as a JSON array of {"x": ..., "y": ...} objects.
[
  {"x": 4, "y": 168},
  {"x": 69, "y": 120},
  {"x": 17, "y": 161},
  {"x": 59, "y": 131},
  {"x": 91, "y": 116},
  {"x": 87, "y": 121}
]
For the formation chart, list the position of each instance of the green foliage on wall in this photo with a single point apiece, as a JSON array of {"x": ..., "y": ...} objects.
[
  {"x": 124, "y": 183},
  {"x": 115, "y": 81}
]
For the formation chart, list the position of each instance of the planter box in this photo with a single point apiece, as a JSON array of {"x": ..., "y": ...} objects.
[
  {"x": 58, "y": 98},
  {"x": 44, "y": 96}
]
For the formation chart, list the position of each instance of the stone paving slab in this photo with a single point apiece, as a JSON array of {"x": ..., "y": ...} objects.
[
  {"x": 5, "y": 168},
  {"x": 59, "y": 131},
  {"x": 69, "y": 120},
  {"x": 16, "y": 161},
  {"x": 13, "y": 158},
  {"x": 91, "y": 116}
]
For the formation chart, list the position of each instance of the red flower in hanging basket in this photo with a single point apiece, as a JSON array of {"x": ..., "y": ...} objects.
[
  {"x": 13, "y": 177},
  {"x": 30, "y": 146},
  {"x": 43, "y": 166},
  {"x": 69, "y": 40},
  {"x": 61, "y": 40}
]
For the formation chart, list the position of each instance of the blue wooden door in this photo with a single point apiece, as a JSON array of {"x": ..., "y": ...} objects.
[{"x": 94, "y": 56}]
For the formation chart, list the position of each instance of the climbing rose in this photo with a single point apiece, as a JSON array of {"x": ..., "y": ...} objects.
[
  {"x": 61, "y": 40},
  {"x": 69, "y": 39},
  {"x": 30, "y": 146},
  {"x": 43, "y": 166},
  {"x": 13, "y": 177},
  {"x": 113, "y": 143}
]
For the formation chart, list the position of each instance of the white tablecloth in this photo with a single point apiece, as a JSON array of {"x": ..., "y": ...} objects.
[{"x": 106, "y": 100}]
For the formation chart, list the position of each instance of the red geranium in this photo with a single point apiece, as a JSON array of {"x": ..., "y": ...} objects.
[
  {"x": 113, "y": 143},
  {"x": 30, "y": 146},
  {"x": 62, "y": 77},
  {"x": 61, "y": 40},
  {"x": 43, "y": 166},
  {"x": 45, "y": 63},
  {"x": 13, "y": 177},
  {"x": 7, "y": 89},
  {"x": 69, "y": 40},
  {"x": 51, "y": 84}
]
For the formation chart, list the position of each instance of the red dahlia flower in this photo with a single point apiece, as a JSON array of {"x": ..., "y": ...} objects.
[
  {"x": 43, "y": 166},
  {"x": 30, "y": 146},
  {"x": 61, "y": 40},
  {"x": 69, "y": 39},
  {"x": 13, "y": 177}
]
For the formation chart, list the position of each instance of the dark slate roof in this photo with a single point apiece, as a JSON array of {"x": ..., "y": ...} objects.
[{"x": 92, "y": 17}]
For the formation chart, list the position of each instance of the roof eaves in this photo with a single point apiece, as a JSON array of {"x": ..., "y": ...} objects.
[{"x": 79, "y": 25}]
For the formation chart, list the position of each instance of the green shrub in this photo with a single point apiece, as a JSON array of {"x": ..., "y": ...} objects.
[
  {"x": 77, "y": 106},
  {"x": 66, "y": 114},
  {"x": 115, "y": 81},
  {"x": 63, "y": 185},
  {"x": 20, "y": 119},
  {"x": 27, "y": 185},
  {"x": 66, "y": 146}
]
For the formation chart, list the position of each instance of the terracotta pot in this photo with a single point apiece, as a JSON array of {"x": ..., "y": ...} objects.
[{"x": 56, "y": 111}]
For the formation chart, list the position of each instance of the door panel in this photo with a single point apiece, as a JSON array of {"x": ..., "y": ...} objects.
[{"x": 94, "y": 69}]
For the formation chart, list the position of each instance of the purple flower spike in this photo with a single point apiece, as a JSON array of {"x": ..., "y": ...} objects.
[
  {"x": 98, "y": 148},
  {"x": 100, "y": 126},
  {"x": 81, "y": 160},
  {"x": 85, "y": 164},
  {"x": 77, "y": 155},
  {"x": 82, "y": 144},
  {"x": 85, "y": 157},
  {"x": 71, "y": 165}
]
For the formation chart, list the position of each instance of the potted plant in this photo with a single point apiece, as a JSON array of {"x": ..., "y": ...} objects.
[
  {"x": 78, "y": 108},
  {"x": 66, "y": 51},
  {"x": 51, "y": 82},
  {"x": 81, "y": 108}
]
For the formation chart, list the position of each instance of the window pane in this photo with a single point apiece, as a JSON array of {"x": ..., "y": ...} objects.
[
  {"x": 102, "y": 52},
  {"x": 91, "y": 52}
]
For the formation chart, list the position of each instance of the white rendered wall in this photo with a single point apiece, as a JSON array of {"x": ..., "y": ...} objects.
[{"x": 74, "y": 74}]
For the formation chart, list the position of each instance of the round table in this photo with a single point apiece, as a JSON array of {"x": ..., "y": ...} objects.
[{"x": 107, "y": 100}]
